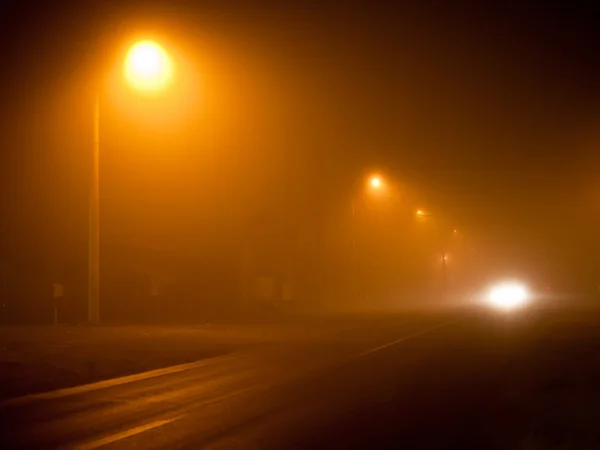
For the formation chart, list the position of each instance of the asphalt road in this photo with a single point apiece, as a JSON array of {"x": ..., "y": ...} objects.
[{"x": 410, "y": 382}]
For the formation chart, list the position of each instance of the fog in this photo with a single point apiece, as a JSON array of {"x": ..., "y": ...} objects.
[{"x": 245, "y": 185}]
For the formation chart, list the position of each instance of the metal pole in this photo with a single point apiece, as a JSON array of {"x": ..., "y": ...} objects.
[
  {"x": 353, "y": 229},
  {"x": 94, "y": 231}
]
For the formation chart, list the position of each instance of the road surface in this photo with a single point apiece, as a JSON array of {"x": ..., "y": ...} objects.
[{"x": 415, "y": 382}]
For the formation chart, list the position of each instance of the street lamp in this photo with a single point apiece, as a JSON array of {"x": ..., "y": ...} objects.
[
  {"x": 373, "y": 183},
  {"x": 147, "y": 67},
  {"x": 376, "y": 182},
  {"x": 423, "y": 213},
  {"x": 444, "y": 258}
]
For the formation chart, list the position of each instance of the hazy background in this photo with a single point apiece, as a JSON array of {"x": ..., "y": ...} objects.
[{"x": 486, "y": 114}]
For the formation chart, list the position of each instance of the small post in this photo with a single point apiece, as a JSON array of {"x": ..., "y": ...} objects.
[
  {"x": 58, "y": 291},
  {"x": 444, "y": 277}
]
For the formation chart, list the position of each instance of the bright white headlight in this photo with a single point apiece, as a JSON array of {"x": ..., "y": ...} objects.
[{"x": 508, "y": 295}]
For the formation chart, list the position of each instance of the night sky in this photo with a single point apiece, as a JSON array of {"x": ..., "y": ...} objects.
[{"x": 490, "y": 113}]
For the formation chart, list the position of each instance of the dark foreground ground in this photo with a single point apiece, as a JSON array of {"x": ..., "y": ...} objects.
[
  {"x": 465, "y": 380},
  {"x": 42, "y": 358}
]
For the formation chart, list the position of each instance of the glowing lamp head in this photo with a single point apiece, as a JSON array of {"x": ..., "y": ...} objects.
[
  {"x": 147, "y": 66},
  {"x": 376, "y": 182},
  {"x": 508, "y": 296}
]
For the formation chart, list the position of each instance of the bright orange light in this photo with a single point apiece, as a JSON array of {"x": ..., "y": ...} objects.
[
  {"x": 147, "y": 66},
  {"x": 376, "y": 182},
  {"x": 420, "y": 212}
]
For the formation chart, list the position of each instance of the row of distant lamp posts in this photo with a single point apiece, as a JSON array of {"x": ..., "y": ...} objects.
[
  {"x": 148, "y": 68},
  {"x": 377, "y": 184}
]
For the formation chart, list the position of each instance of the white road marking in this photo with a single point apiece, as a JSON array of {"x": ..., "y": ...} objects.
[
  {"x": 405, "y": 338},
  {"x": 67, "y": 392},
  {"x": 125, "y": 434}
]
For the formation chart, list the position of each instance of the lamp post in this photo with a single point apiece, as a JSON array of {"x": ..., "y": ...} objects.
[
  {"x": 94, "y": 222},
  {"x": 147, "y": 67},
  {"x": 373, "y": 184},
  {"x": 444, "y": 276},
  {"x": 423, "y": 214}
]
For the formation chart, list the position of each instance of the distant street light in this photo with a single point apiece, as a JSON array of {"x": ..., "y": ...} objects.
[
  {"x": 373, "y": 183},
  {"x": 147, "y": 67},
  {"x": 376, "y": 182},
  {"x": 423, "y": 213}
]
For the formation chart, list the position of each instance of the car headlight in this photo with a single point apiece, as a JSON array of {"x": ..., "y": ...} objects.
[{"x": 507, "y": 296}]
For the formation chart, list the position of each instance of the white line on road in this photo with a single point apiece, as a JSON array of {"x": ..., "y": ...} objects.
[
  {"x": 125, "y": 434},
  {"x": 67, "y": 392},
  {"x": 140, "y": 429},
  {"x": 405, "y": 338}
]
